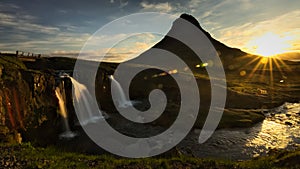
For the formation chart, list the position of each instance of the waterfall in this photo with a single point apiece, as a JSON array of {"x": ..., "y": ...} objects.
[
  {"x": 60, "y": 94},
  {"x": 122, "y": 101},
  {"x": 85, "y": 106}
]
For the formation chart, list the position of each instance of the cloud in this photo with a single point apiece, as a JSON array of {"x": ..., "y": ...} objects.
[
  {"x": 18, "y": 26},
  {"x": 62, "y": 41},
  {"x": 123, "y": 3},
  {"x": 126, "y": 49},
  {"x": 284, "y": 25},
  {"x": 157, "y": 7},
  {"x": 8, "y": 6},
  {"x": 232, "y": 22},
  {"x": 21, "y": 31},
  {"x": 25, "y": 23}
]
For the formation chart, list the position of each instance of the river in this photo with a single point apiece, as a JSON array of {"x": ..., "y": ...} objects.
[{"x": 280, "y": 130}]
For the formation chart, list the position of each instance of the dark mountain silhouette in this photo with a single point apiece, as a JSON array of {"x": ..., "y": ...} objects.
[
  {"x": 226, "y": 51},
  {"x": 227, "y": 54},
  {"x": 246, "y": 74},
  {"x": 232, "y": 58}
]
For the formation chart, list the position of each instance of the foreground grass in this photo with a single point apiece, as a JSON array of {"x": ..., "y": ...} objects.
[{"x": 27, "y": 156}]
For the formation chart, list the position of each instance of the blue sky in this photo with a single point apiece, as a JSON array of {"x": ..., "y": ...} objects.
[{"x": 61, "y": 27}]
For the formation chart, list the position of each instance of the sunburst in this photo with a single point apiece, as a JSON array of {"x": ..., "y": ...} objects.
[
  {"x": 267, "y": 49},
  {"x": 269, "y": 45}
]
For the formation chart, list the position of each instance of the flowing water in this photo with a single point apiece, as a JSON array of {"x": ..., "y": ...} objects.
[
  {"x": 122, "y": 101},
  {"x": 60, "y": 94},
  {"x": 87, "y": 110},
  {"x": 280, "y": 130}
]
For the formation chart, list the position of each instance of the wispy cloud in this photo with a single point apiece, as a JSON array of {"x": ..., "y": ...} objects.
[
  {"x": 8, "y": 6},
  {"x": 21, "y": 31},
  {"x": 123, "y": 3},
  {"x": 21, "y": 22},
  {"x": 284, "y": 25},
  {"x": 66, "y": 27},
  {"x": 157, "y": 7},
  {"x": 126, "y": 49}
]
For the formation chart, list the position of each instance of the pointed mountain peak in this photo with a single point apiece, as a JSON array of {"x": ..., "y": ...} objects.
[
  {"x": 177, "y": 47},
  {"x": 191, "y": 19}
]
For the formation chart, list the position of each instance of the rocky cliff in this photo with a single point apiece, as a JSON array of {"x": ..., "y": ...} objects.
[{"x": 27, "y": 100}]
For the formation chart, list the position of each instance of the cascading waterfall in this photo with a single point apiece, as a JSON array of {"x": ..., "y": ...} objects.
[
  {"x": 87, "y": 109},
  {"x": 60, "y": 94},
  {"x": 122, "y": 101}
]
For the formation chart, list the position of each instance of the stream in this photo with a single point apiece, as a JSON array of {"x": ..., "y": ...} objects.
[{"x": 280, "y": 130}]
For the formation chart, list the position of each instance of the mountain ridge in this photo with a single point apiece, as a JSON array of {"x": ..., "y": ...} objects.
[
  {"x": 215, "y": 42},
  {"x": 226, "y": 53}
]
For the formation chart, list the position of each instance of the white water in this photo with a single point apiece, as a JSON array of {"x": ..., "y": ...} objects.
[
  {"x": 87, "y": 110},
  {"x": 63, "y": 112},
  {"x": 122, "y": 101}
]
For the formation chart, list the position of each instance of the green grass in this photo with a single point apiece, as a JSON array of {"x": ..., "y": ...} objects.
[
  {"x": 32, "y": 157},
  {"x": 27, "y": 156},
  {"x": 12, "y": 62},
  {"x": 277, "y": 159}
]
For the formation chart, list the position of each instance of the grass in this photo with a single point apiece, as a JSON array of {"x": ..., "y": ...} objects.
[
  {"x": 12, "y": 62},
  {"x": 28, "y": 156}
]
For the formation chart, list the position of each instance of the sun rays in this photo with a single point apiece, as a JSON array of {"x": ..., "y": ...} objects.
[
  {"x": 267, "y": 64},
  {"x": 267, "y": 49}
]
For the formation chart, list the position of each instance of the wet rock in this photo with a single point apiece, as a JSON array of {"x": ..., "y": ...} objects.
[
  {"x": 288, "y": 115},
  {"x": 247, "y": 131},
  {"x": 288, "y": 123}
]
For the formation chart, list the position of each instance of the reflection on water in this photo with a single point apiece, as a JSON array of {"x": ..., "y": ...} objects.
[{"x": 280, "y": 130}]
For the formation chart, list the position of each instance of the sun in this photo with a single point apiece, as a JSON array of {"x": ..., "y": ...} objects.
[{"x": 269, "y": 45}]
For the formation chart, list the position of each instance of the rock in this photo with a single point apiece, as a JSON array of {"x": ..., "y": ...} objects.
[
  {"x": 288, "y": 115},
  {"x": 247, "y": 131},
  {"x": 1, "y": 70},
  {"x": 26, "y": 98},
  {"x": 288, "y": 123}
]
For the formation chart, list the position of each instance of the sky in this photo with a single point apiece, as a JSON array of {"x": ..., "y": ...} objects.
[{"x": 61, "y": 27}]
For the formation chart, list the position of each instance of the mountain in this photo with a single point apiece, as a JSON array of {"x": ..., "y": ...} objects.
[
  {"x": 220, "y": 47},
  {"x": 254, "y": 79},
  {"x": 247, "y": 86},
  {"x": 232, "y": 58}
]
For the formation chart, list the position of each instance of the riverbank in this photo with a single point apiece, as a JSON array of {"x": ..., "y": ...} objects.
[{"x": 27, "y": 156}]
